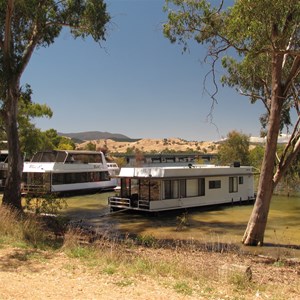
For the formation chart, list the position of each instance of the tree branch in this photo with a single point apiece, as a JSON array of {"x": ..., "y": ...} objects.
[
  {"x": 286, "y": 158},
  {"x": 295, "y": 69}
]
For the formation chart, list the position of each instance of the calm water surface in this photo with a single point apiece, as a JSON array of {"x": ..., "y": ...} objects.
[{"x": 217, "y": 224}]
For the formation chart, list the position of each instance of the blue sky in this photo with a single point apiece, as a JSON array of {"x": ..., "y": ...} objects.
[{"x": 137, "y": 83}]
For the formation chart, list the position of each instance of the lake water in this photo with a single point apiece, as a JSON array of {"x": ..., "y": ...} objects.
[{"x": 222, "y": 224}]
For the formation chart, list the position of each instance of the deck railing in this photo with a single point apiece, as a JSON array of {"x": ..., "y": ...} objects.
[
  {"x": 119, "y": 202},
  {"x": 35, "y": 188}
]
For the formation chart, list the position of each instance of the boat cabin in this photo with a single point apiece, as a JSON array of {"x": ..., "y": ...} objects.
[
  {"x": 175, "y": 187},
  {"x": 64, "y": 171}
]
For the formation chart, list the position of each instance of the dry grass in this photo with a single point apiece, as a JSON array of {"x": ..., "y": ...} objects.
[
  {"x": 157, "y": 145},
  {"x": 22, "y": 230},
  {"x": 142, "y": 265},
  {"x": 206, "y": 273}
]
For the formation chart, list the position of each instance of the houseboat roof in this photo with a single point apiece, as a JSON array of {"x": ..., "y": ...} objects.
[
  {"x": 63, "y": 155},
  {"x": 184, "y": 171}
]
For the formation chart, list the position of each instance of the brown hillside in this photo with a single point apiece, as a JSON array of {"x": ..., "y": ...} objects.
[{"x": 150, "y": 145}]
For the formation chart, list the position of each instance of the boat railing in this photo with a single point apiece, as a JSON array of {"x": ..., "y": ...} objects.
[
  {"x": 34, "y": 188},
  {"x": 118, "y": 202},
  {"x": 131, "y": 202}
]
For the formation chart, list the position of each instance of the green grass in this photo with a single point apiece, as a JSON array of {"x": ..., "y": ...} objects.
[{"x": 183, "y": 287}]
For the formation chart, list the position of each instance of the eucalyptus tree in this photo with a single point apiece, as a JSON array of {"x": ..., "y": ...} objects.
[
  {"x": 258, "y": 44},
  {"x": 234, "y": 148},
  {"x": 31, "y": 138},
  {"x": 26, "y": 25}
]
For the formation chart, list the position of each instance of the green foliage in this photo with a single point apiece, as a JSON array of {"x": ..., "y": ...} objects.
[
  {"x": 146, "y": 240},
  {"x": 49, "y": 204},
  {"x": 120, "y": 161},
  {"x": 254, "y": 29},
  {"x": 234, "y": 148},
  {"x": 82, "y": 252},
  {"x": 256, "y": 156},
  {"x": 31, "y": 138},
  {"x": 130, "y": 150},
  {"x": 65, "y": 143},
  {"x": 26, "y": 26},
  {"x": 90, "y": 146},
  {"x": 184, "y": 288}
]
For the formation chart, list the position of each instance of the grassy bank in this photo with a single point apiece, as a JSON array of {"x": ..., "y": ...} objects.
[{"x": 136, "y": 264}]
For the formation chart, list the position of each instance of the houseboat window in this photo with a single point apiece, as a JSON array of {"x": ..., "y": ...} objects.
[
  {"x": 167, "y": 189},
  {"x": 60, "y": 157},
  {"x": 182, "y": 188},
  {"x": 214, "y": 184},
  {"x": 192, "y": 187},
  {"x": 201, "y": 186},
  {"x": 195, "y": 187},
  {"x": 3, "y": 157},
  {"x": 87, "y": 157},
  {"x": 36, "y": 181},
  {"x": 33, "y": 178},
  {"x": 241, "y": 180},
  {"x": 233, "y": 184},
  {"x": 155, "y": 190},
  {"x": 144, "y": 189},
  {"x": 125, "y": 187},
  {"x": 68, "y": 178},
  {"x": 171, "y": 189}
]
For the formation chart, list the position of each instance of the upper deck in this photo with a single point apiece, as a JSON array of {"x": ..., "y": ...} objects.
[
  {"x": 184, "y": 171},
  {"x": 66, "y": 161}
]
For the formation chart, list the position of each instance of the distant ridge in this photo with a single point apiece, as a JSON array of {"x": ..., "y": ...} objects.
[{"x": 97, "y": 135}]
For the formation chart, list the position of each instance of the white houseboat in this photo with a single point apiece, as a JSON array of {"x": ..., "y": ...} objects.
[
  {"x": 113, "y": 170},
  {"x": 65, "y": 171},
  {"x": 176, "y": 187},
  {"x": 3, "y": 167}
]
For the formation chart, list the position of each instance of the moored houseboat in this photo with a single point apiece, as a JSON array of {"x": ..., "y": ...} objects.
[
  {"x": 65, "y": 171},
  {"x": 3, "y": 167},
  {"x": 176, "y": 187}
]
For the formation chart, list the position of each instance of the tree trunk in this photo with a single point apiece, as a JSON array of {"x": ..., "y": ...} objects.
[
  {"x": 12, "y": 191},
  {"x": 254, "y": 234}
]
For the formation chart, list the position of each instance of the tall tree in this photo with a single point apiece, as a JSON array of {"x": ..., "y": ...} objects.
[
  {"x": 25, "y": 26},
  {"x": 263, "y": 36}
]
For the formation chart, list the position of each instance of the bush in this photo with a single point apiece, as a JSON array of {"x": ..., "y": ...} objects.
[{"x": 48, "y": 204}]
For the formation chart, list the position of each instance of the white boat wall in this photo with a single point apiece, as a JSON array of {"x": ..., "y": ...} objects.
[
  {"x": 60, "y": 171},
  {"x": 113, "y": 170},
  {"x": 175, "y": 187}
]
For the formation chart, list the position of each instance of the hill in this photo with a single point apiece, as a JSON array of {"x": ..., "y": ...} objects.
[
  {"x": 96, "y": 135},
  {"x": 152, "y": 145}
]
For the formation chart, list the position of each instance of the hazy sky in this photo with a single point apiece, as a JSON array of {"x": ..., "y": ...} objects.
[{"x": 136, "y": 83}]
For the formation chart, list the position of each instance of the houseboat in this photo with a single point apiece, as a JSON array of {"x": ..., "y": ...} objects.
[
  {"x": 113, "y": 170},
  {"x": 176, "y": 187},
  {"x": 3, "y": 167},
  {"x": 66, "y": 171}
]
